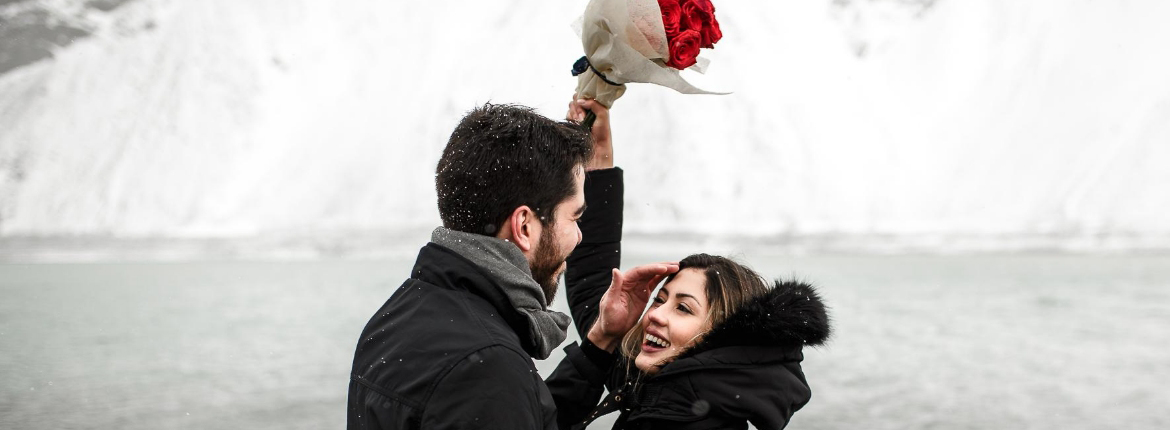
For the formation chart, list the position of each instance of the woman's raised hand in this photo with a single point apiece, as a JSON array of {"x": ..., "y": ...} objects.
[{"x": 623, "y": 302}]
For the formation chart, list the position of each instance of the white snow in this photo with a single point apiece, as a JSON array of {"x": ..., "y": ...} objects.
[{"x": 970, "y": 123}]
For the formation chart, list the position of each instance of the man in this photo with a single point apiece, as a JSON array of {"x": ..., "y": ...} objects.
[{"x": 453, "y": 346}]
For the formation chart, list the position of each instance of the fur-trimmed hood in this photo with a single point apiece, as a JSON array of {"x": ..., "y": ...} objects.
[{"x": 791, "y": 313}]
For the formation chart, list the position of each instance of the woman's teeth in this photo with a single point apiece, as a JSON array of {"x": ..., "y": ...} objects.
[{"x": 654, "y": 340}]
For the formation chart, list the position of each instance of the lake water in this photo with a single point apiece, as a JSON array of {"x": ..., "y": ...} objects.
[{"x": 921, "y": 342}]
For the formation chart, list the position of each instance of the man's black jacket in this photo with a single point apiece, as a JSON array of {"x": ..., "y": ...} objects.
[{"x": 448, "y": 351}]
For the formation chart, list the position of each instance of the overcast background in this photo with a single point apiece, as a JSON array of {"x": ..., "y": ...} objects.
[
  {"x": 202, "y": 201},
  {"x": 312, "y": 128}
]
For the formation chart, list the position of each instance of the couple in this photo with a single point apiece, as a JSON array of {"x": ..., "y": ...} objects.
[{"x": 453, "y": 346}]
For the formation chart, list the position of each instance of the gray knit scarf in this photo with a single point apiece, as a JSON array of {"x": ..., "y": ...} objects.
[{"x": 508, "y": 266}]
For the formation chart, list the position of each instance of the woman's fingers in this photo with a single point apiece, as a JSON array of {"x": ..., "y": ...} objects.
[
  {"x": 641, "y": 274},
  {"x": 643, "y": 293},
  {"x": 640, "y": 280}
]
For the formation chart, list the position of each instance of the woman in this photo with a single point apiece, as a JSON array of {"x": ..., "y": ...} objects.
[{"x": 716, "y": 349}]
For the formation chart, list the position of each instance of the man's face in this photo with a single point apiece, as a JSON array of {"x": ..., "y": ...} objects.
[{"x": 558, "y": 237}]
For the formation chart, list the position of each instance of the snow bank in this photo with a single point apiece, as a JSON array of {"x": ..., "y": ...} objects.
[{"x": 997, "y": 120}]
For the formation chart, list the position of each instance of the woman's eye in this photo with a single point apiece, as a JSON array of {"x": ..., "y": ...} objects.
[
  {"x": 659, "y": 300},
  {"x": 684, "y": 308}
]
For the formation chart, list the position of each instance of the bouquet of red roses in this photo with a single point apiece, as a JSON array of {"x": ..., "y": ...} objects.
[
  {"x": 689, "y": 25},
  {"x": 642, "y": 41}
]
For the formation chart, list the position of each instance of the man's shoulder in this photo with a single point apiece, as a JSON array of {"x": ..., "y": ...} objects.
[
  {"x": 441, "y": 375},
  {"x": 440, "y": 315},
  {"x": 492, "y": 361},
  {"x": 424, "y": 331},
  {"x": 489, "y": 374}
]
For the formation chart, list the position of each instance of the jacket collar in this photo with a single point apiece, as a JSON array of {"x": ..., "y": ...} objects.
[{"x": 502, "y": 276}]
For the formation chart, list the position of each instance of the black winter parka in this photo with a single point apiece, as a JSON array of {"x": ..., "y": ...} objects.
[
  {"x": 449, "y": 351},
  {"x": 443, "y": 353}
]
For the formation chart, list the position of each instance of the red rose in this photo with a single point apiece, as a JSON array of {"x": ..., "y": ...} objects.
[
  {"x": 671, "y": 14},
  {"x": 692, "y": 16},
  {"x": 711, "y": 33},
  {"x": 700, "y": 14},
  {"x": 683, "y": 49}
]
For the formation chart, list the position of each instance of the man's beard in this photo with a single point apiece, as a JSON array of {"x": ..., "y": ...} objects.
[{"x": 546, "y": 265}]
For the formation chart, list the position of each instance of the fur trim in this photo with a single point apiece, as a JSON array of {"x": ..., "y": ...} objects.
[{"x": 791, "y": 313}]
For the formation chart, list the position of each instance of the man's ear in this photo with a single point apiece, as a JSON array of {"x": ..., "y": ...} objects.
[{"x": 522, "y": 228}]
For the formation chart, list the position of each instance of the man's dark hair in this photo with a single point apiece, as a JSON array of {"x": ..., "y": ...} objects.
[{"x": 501, "y": 157}]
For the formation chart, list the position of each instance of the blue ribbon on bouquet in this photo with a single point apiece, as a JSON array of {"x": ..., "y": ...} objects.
[{"x": 583, "y": 64}]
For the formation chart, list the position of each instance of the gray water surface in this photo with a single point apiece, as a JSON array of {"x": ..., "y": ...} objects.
[{"x": 1022, "y": 342}]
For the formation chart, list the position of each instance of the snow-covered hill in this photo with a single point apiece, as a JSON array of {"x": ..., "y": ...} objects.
[{"x": 993, "y": 122}]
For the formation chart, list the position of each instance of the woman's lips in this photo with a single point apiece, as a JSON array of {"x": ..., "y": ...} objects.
[
  {"x": 654, "y": 343},
  {"x": 648, "y": 348}
]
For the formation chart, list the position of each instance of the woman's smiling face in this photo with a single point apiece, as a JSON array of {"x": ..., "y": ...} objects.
[{"x": 676, "y": 319}]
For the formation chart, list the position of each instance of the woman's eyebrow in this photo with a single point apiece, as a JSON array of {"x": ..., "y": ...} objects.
[{"x": 685, "y": 295}]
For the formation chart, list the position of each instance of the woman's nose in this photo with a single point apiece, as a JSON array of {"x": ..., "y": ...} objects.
[{"x": 656, "y": 316}]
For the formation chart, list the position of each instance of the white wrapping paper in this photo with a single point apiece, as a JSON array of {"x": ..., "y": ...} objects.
[{"x": 625, "y": 41}]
